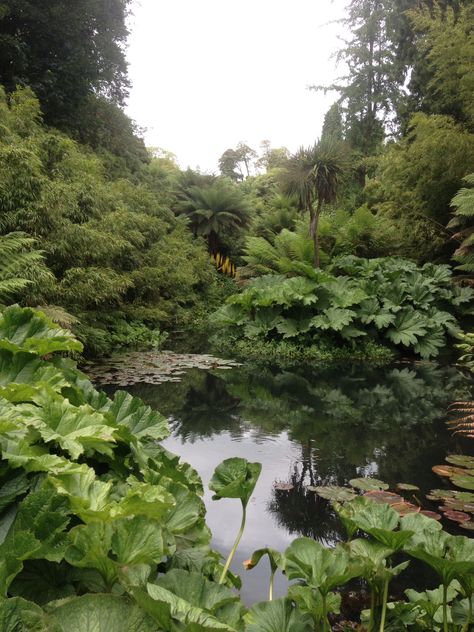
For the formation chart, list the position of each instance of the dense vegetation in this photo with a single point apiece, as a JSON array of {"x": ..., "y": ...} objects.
[{"x": 359, "y": 245}]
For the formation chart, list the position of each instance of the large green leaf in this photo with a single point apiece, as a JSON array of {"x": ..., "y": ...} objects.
[
  {"x": 101, "y": 613},
  {"x": 277, "y": 616},
  {"x": 19, "y": 615},
  {"x": 319, "y": 567},
  {"x": 74, "y": 429},
  {"x": 235, "y": 478},
  {"x": 140, "y": 420},
  {"x": 183, "y": 611},
  {"x": 24, "y": 329},
  {"x": 22, "y": 375},
  {"x": 137, "y": 540},
  {"x": 409, "y": 326}
]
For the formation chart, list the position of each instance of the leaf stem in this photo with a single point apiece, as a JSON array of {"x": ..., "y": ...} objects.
[
  {"x": 270, "y": 590},
  {"x": 236, "y": 544},
  {"x": 445, "y": 608},
  {"x": 384, "y": 605}
]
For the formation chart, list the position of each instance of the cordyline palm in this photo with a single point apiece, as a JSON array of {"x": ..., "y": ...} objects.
[
  {"x": 312, "y": 175},
  {"x": 213, "y": 210}
]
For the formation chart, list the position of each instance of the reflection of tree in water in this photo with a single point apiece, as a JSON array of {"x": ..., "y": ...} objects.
[
  {"x": 347, "y": 421},
  {"x": 302, "y": 512}
]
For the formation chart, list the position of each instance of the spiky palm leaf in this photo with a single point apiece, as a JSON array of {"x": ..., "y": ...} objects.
[
  {"x": 312, "y": 175},
  {"x": 214, "y": 209},
  {"x": 18, "y": 262}
]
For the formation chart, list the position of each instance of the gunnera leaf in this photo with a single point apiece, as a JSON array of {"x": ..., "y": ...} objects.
[
  {"x": 235, "y": 478},
  {"x": 277, "y": 616}
]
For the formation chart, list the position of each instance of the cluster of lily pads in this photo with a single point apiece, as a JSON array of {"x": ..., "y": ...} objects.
[
  {"x": 151, "y": 367},
  {"x": 457, "y": 505},
  {"x": 103, "y": 530}
]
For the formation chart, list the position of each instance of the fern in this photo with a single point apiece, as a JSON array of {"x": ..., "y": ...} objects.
[
  {"x": 463, "y": 424},
  {"x": 18, "y": 262},
  {"x": 462, "y": 223}
]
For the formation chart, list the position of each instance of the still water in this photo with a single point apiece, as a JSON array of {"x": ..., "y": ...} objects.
[{"x": 306, "y": 427}]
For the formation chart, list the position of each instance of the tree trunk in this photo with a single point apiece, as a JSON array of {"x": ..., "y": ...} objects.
[
  {"x": 213, "y": 243},
  {"x": 313, "y": 231}
]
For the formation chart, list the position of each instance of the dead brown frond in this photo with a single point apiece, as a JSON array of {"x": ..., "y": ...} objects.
[{"x": 463, "y": 423}]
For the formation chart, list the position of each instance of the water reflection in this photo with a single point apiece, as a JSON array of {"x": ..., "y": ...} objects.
[{"x": 308, "y": 427}]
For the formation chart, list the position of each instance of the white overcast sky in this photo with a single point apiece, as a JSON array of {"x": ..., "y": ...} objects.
[{"x": 207, "y": 74}]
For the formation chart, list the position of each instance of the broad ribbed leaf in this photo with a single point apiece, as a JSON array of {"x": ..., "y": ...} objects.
[
  {"x": 277, "y": 616},
  {"x": 235, "y": 478},
  {"x": 24, "y": 329},
  {"x": 139, "y": 419},
  {"x": 101, "y": 613},
  {"x": 19, "y": 615}
]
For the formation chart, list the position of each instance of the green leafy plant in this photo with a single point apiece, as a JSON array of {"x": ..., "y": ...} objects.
[{"x": 235, "y": 478}]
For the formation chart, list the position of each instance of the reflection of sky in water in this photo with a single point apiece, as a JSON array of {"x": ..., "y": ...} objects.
[{"x": 224, "y": 516}]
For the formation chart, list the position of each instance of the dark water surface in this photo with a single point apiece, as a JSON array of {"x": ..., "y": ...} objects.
[{"x": 306, "y": 427}]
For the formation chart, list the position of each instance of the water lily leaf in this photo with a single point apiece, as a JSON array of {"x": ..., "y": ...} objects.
[
  {"x": 431, "y": 514},
  {"x": 407, "y": 487},
  {"x": 457, "y": 516},
  {"x": 382, "y": 496},
  {"x": 235, "y": 478},
  {"x": 279, "y": 615},
  {"x": 442, "y": 494},
  {"x": 367, "y": 484},
  {"x": 100, "y": 613},
  {"x": 283, "y": 487},
  {"x": 469, "y": 526},
  {"x": 461, "y": 460},
  {"x": 405, "y": 508},
  {"x": 333, "y": 492},
  {"x": 465, "y": 481},
  {"x": 447, "y": 470}
]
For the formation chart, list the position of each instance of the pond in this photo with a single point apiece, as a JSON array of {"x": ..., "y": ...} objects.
[{"x": 307, "y": 427}]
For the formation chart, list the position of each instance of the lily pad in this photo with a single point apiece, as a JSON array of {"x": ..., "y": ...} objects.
[
  {"x": 152, "y": 367},
  {"x": 284, "y": 487},
  {"x": 367, "y": 484},
  {"x": 461, "y": 460},
  {"x": 465, "y": 481},
  {"x": 407, "y": 487},
  {"x": 441, "y": 494},
  {"x": 431, "y": 514},
  {"x": 381, "y": 496},
  {"x": 467, "y": 525},
  {"x": 405, "y": 508},
  {"x": 447, "y": 470},
  {"x": 457, "y": 516},
  {"x": 333, "y": 492}
]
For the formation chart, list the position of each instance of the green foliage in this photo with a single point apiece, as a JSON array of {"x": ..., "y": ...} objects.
[
  {"x": 21, "y": 267},
  {"x": 118, "y": 254},
  {"x": 216, "y": 211},
  {"x": 389, "y": 300},
  {"x": 463, "y": 203}
]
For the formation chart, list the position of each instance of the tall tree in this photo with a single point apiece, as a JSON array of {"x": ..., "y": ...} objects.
[
  {"x": 313, "y": 175},
  {"x": 369, "y": 92},
  {"x": 237, "y": 163},
  {"x": 333, "y": 124},
  {"x": 65, "y": 51}
]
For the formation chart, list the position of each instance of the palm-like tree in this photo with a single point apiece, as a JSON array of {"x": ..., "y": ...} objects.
[
  {"x": 214, "y": 210},
  {"x": 312, "y": 175}
]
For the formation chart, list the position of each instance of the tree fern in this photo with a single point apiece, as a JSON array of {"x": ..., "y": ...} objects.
[
  {"x": 18, "y": 264},
  {"x": 463, "y": 223}
]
